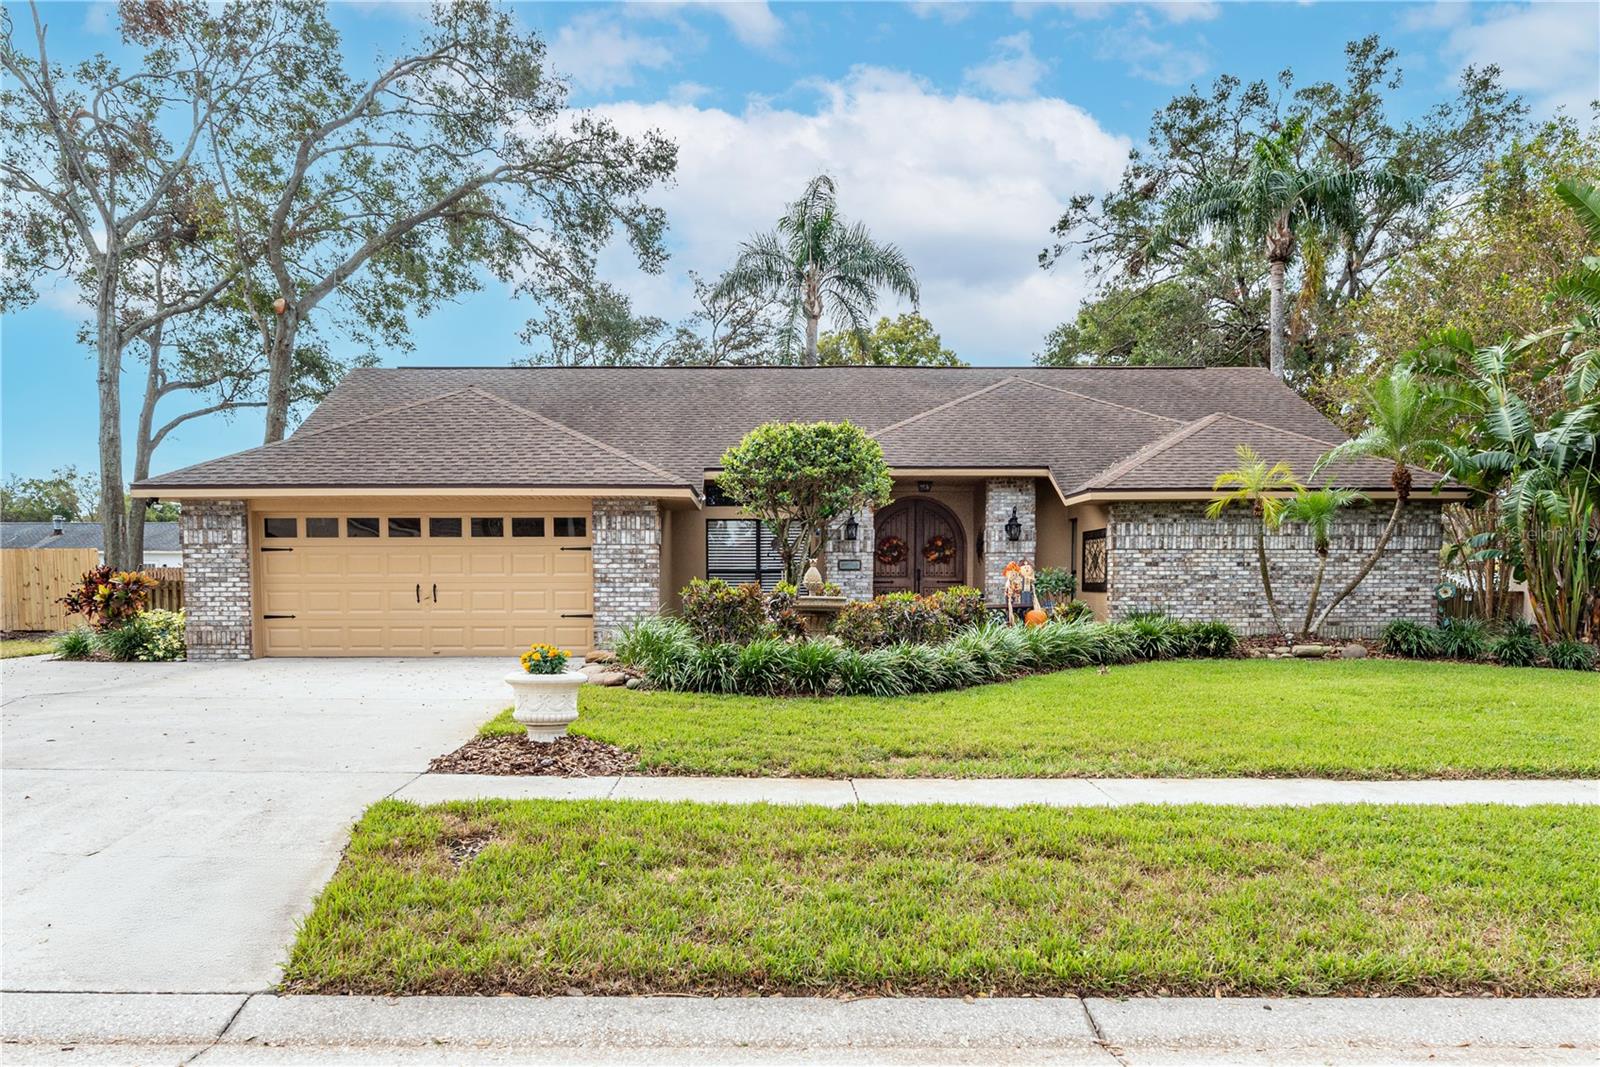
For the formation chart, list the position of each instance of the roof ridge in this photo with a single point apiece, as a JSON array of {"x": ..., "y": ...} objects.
[
  {"x": 580, "y": 435},
  {"x": 1098, "y": 400},
  {"x": 991, "y": 387},
  {"x": 1279, "y": 429},
  {"x": 1139, "y": 457}
]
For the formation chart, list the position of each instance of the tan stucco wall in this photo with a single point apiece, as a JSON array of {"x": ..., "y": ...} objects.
[{"x": 1090, "y": 517}]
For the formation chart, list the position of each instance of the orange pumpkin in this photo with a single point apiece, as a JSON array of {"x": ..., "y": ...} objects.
[{"x": 1036, "y": 617}]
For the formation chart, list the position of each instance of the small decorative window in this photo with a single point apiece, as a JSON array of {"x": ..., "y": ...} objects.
[
  {"x": 571, "y": 526},
  {"x": 529, "y": 527},
  {"x": 438, "y": 527},
  {"x": 280, "y": 527},
  {"x": 405, "y": 527},
  {"x": 323, "y": 527},
  {"x": 361, "y": 527},
  {"x": 488, "y": 527},
  {"x": 716, "y": 498},
  {"x": 1095, "y": 561}
]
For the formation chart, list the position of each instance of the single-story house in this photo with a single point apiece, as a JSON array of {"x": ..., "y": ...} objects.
[
  {"x": 161, "y": 547},
  {"x": 473, "y": 510}
]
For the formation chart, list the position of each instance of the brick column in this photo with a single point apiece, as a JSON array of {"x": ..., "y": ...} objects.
[
  {"x": 1000, "y": 496},
  {"x": 855, "y": 584},
  {"x": 627, "y": 564},
  {"x": 216, "y": 578}
]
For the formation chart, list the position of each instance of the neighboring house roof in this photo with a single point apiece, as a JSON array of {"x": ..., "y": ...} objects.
[
  {"x": 649, "y": 427},
  {"x": 158, "y": 536}
]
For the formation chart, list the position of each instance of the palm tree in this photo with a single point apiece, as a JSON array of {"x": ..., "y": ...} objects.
[
  {"x": 1404, "y": 421},
  {"x": 1316, "y": 509},
  {"x": 1277, "y": 197},
  {"x": 816, "y": 263},
  {"x": 1253, "y": 482}
]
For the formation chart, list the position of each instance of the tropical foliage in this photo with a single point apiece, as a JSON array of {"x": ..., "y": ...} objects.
[
  {"x": 817, "y": 264},
  {"x": 108, "y": 598},
  {"x": 1316, "y": 509},
  {"x": 1264, "y": 487}
]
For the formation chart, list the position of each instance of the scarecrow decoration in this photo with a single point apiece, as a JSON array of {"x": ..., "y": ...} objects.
[{"x": 1018, "y": 576}]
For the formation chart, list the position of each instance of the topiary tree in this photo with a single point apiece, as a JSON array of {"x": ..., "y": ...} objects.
[{"x": 798, "y": 476}]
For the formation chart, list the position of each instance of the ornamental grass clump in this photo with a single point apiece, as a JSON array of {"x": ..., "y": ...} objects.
[
  {"x": 1411, "y": 640},
  {"x": 1516, "y": 645},
  {"x": 76, "y": 643},
  {"x": 1571, "y": 655}
]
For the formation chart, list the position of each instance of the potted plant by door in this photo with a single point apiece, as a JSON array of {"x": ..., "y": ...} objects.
[
  {"x": 547, "y": 693},
  {"x": 1054, "y": 585}
]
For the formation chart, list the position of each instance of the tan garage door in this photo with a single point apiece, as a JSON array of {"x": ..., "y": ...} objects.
[{"x": 396, "y": 582}]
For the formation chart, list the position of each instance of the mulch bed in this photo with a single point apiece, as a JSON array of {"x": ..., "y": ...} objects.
[{"x": 567, "y": 757}]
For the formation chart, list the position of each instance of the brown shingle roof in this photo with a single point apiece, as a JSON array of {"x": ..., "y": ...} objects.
[{"x": 648, "y": 426}]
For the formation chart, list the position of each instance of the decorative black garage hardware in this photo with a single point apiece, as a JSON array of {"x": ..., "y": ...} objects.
[
  {"x": 436, "y": 592},
  {"x": 277, "y": 616},
  {"x": 577, "y": 548},
  {"x": 577, "y": 614},
  {"x": 419, "y": 592},
  {"x": 275, "y": 548}
]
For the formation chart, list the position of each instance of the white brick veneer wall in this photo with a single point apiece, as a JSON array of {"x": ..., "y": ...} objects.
[
  {"x": 627, "y": 563},
  {"x": 216, "y": 578},
  {"x": 1167, "y": 556},
  {"x": 1001, "y": 495},
  {"x": 857, "y": 584}
]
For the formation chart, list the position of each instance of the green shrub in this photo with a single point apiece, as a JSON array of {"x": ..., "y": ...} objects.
[
  {"x": 920, "y": 667},
  {"x": 1462, "y": 639},
  {"x": 76, "y": 643},
  {"x": 718, "y": 612},
  {"x": 962, "y": 606},
  {"x": 1212, "y": 640},
  {"x": 123, "y": 641},
  {"x": 1071, "y": 611},
  {"x": 1052, "y": 584},
  {"x": 909, "y": 617},
  {"x": 1157, "y": 636},
  {"x": 1516, "y": 645},
  {"x": 811, "y": 665},
  {"x": 1412, "y": 640},
  {"x": 782, "y": 615},
  {"x": 163, "y": 636},
  {"x": 658, "y": 646},
  {"x": 759, "y": 668},
  {"x": 875, "y": 673},
  {"x": 859, "y": 624},
  {"x": 1112, "y": 642},
  {"x": 1571, "y": 655},
  {"x": 713, "y": 668}
]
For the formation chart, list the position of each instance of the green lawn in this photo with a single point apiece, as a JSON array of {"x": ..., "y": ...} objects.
[
  {"x": 1201, "y": 718},
  {"x": 25, "y": 646},
  {"x": 536, "y": 897}
]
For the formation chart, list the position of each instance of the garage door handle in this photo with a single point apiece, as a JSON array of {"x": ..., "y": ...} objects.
[
  {"x": 436, "y": 592},
  {"x": 272, "y": 548},
  {"x": 577, "y": 614},
  {"x": 419, "y": 592},
  {"x": 277, "y": 616},
  {"x": 577, "y": 548}
]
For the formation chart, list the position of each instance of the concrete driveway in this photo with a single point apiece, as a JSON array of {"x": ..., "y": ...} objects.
[{"x": 165, "y": 825}]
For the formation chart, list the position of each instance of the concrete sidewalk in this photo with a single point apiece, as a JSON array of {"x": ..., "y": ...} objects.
[
  {"x": 76, "y": 1027},
  {"x": 1003, "y": 792}
]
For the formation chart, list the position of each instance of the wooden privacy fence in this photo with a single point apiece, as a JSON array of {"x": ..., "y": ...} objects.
[{"x": 33, "y": 581}]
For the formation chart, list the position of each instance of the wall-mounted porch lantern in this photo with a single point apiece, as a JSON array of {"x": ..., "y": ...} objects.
[
  {"x": 924, "y": 487},
  {"x": 852, "y": 528},
  {"x": 1013, "y": 527}
]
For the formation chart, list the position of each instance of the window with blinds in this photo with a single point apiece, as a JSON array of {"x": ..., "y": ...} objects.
[{"x": 740, "y": 551}]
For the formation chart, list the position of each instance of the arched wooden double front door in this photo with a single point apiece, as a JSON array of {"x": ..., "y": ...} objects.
[{"x": 919, "y": 546}]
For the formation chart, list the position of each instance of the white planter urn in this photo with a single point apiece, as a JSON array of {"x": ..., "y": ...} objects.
[{"x": 546, "y": 703}]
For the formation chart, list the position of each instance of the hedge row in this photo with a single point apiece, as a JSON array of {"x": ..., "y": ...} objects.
[
  {"x": 1514, "y": 645},
  {"x": 670, "y": 657}
]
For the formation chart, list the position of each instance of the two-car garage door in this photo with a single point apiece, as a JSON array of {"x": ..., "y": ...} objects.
[{"x": 412, "y": 581}]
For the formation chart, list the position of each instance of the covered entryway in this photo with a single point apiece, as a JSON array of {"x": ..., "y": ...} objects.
[
  {"x": 920, "y": 546},
  {"x": 393, "y": 579}
]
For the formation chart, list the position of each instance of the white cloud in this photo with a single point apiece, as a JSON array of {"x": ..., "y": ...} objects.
[
  {"x": 1011, "y": 70},
  {"x": 1153, "y": 59},
  {"x": 1549, "y": 51},
  {"x": 98, "y": 18},
  {"x": 1188, "y": 10},
  {"x": 688, "y": 92},
  {"x": 1171, "y": 10},
  {"x": 968, "y": 187},
  {"x": 752, "y": 21},
  {"x": 948, "y": 12},
  {"x": 599, "y": 55}
]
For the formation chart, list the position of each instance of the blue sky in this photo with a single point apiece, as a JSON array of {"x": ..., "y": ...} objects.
[{"x": 955, "y": 130}]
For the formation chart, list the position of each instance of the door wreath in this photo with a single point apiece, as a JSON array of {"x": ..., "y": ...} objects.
[
  {"x": 939, "y": 549},
  {"x": 891, "y": 550}
]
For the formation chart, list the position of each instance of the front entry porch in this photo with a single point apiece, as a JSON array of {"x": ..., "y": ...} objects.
[{"x": 921, "y": 547}]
